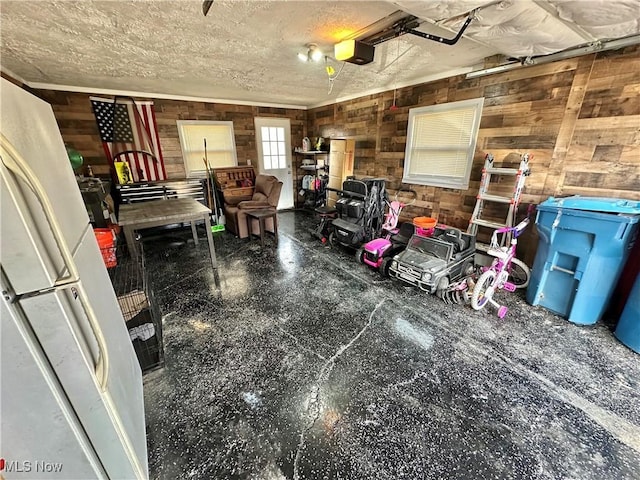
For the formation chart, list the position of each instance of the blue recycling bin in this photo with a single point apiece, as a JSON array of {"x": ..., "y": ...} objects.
[
  {"x": 584, "y": 243},
  {"x": 628, "y": 329}
]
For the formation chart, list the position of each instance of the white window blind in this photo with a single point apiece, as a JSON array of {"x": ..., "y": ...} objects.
[
  {"x": 441, "y": 141},
  {"x": 221, "y": 146},
  {"x": 274, "y": 153}
]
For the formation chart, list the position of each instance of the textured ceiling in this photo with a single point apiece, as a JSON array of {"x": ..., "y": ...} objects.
[{"x": 246, "y": 50}]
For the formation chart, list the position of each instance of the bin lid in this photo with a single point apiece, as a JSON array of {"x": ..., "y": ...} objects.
[{"x": 595, "y": 204}]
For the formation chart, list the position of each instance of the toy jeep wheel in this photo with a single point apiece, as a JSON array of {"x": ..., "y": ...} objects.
[
  {"x": 467, "y": 269},
  {"x": 443, "y": 284},
  {"x": 384, "y": 267},
  {"x": 360, "y": 255},
  {"x": 332, "y": 239}
]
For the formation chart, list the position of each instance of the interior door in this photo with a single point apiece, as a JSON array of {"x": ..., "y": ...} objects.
[{"x": 273, "y": 137}]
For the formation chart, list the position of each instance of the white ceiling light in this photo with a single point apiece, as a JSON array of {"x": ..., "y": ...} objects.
[{"x": 313, "y": 53}]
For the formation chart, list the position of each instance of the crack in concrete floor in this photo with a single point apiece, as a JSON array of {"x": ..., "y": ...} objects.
[{"x": 324, "y": 371}]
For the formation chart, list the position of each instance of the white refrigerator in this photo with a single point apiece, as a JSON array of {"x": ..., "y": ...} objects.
[{"x": 71, "y": 402}]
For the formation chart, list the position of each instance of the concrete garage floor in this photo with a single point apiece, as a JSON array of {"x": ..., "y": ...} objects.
[{"x": 302, "y": 364}]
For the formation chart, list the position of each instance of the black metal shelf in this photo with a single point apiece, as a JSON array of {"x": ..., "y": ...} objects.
[
  {"x": 313, "y": 168},
  {"x": 310, "y": 198}
]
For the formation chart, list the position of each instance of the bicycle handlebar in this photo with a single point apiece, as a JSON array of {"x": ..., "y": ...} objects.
[
  {"x": 516, "y": 231},
  {"x": 519, "y": 228}
]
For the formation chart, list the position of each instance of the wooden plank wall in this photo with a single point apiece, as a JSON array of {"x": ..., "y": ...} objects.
[
  {"x": 579, "y": 118},
  {"x": 78, "y": 127}
]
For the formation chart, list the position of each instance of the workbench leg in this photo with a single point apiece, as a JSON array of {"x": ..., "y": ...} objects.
[
  {"x": 212, "y": 249},
  {"x": 129, "y": 235},
  {"x": 194, "y": 232}
]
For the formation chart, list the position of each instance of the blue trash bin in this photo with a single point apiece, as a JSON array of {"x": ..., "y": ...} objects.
[
  {"x": 584, "y": 242},
  {"x": 628, "y": 329}
]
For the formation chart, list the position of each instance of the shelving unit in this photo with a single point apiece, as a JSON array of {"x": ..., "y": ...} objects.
[{"x": 313, "y": 163}]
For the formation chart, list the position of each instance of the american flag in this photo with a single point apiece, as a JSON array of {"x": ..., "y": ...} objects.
[{"x": 130, "y": 133}]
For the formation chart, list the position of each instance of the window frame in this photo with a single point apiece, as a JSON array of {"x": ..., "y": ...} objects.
[
  {"x": 279, "y": 157},
  {"x": 201, "y": 172},
  {"x": 460, "y": 182}
]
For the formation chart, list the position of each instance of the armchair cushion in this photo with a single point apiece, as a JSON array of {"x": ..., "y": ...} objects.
[
  {"x": 236, "y": 200},
  {"x": 260, "y": 197},
  {"x": 266, "y": 189}
]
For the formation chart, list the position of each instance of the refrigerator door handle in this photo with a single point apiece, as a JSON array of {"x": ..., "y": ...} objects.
[{"x": 14, "y": 162}]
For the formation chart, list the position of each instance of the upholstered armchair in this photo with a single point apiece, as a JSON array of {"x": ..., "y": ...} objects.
[{"x": 265, "y": 196}]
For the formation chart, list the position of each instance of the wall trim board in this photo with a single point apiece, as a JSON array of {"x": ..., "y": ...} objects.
[
  {"x": 573, "y": 106},
  {"x": 13, "y": 76},
  {"x": 187, "y": 98},
  {"x": 159, "y": 96},
  {"x": 393, "y": 86}
]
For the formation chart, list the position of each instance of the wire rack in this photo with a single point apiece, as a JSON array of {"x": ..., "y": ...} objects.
[{"x": 139, "y": 307}]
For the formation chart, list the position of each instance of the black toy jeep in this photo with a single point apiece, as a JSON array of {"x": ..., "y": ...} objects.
[{"x": 433, "y": 262}]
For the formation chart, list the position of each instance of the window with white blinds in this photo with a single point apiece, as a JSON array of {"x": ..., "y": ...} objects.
[
  {"x": 221, "y": 145},
  {"x": 441, "y": 141}
]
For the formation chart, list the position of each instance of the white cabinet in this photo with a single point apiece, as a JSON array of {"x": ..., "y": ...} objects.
[{"x": 341, "y": 159}]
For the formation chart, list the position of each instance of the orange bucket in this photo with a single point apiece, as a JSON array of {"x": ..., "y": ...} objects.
[
  {"x": 106, "y": 243},
  {"x": 424, "y": 225}
]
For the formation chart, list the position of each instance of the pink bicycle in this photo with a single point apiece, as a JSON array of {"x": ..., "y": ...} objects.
[{"x": 505, "y": 273}]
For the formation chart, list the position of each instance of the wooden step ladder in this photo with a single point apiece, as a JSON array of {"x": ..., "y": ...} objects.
[{"x": 489, "y": 170}]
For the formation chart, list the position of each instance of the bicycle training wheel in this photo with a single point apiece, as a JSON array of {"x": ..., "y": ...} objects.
[
  {"x": 478, "y": 297},
  {"x": 519, "y": 273}
]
